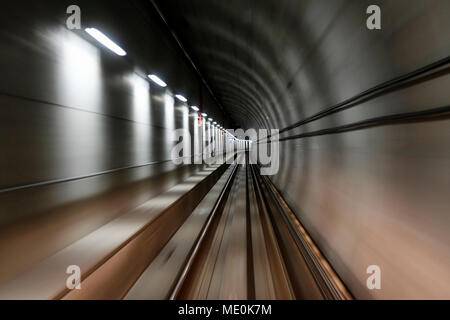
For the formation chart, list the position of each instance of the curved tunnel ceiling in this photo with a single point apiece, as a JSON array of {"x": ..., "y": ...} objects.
[
  {"x": 237, "y": 50},
  {"x": 273, "y": 63}
]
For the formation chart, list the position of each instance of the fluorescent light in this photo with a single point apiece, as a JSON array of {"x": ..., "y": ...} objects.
[
  {"x": 181, "y": 98},
  {"x": 214, "y": 122},
  {"x": 107, "y": 42},
  {"x": 195, "y": 108},
  {"x": 210, "y": 119},
  {"x": 204, "y": 115},
  {"x": 157, "y": 80}
]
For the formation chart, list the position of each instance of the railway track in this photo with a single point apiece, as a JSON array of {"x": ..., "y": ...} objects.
[{"x": 241, "y": 242}]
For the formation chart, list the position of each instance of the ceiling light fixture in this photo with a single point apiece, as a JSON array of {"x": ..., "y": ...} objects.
[
  {"x": 157, "y": 80},
  {"x": 181, "y": 98},
  {"x": 105, "y": 41}
]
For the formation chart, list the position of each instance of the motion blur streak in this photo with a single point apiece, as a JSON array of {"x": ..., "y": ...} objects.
[{"x": 86, "y": 137}]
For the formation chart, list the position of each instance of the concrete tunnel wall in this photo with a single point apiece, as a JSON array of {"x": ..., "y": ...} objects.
[
  {"x": 375, "y": 196},
  {"x": 85, "y": 136}
]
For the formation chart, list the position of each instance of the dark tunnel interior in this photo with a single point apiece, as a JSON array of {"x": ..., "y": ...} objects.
[{"x": 356, "y": 120}]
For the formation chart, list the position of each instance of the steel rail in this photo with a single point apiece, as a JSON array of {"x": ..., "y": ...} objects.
[{"x": 198, "y": 243}]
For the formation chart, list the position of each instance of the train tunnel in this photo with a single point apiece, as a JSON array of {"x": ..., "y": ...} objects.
[{"x": 225, "y": 149}]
